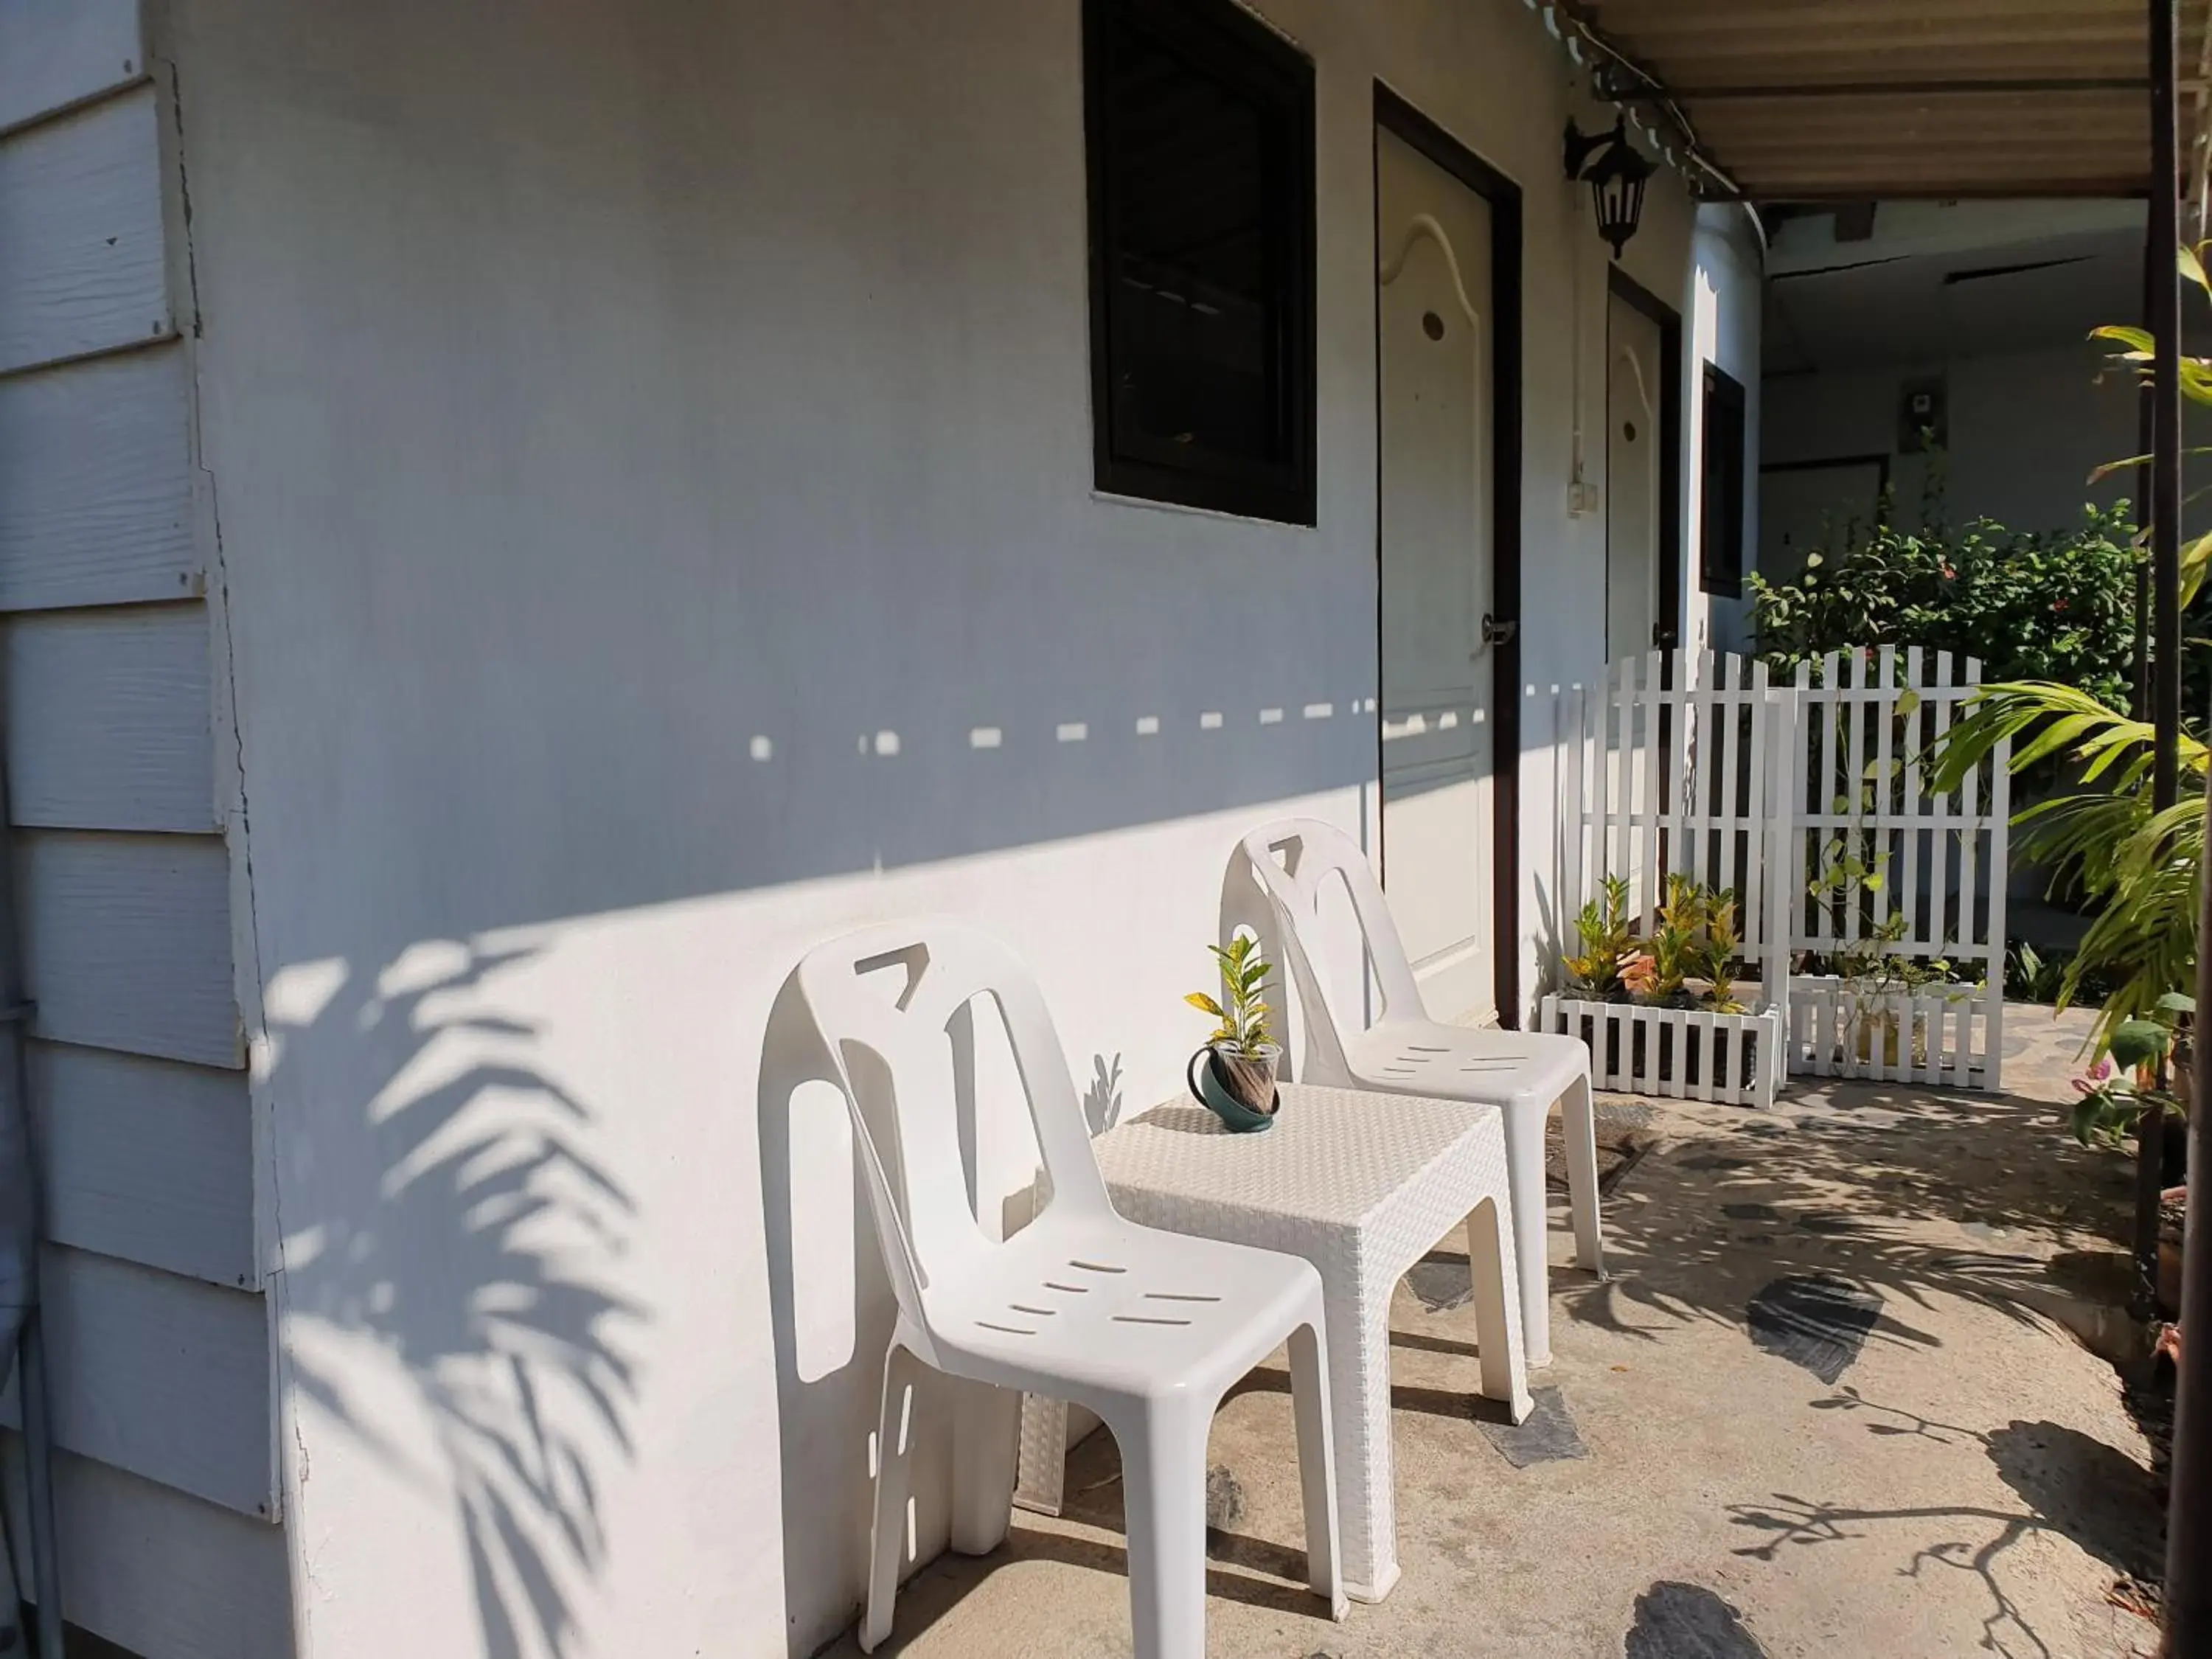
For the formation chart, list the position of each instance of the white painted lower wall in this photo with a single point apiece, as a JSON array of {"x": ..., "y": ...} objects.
[{"x": 652, "y": 448}]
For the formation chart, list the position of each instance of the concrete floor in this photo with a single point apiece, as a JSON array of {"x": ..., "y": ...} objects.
[{"x": 1968, "y": 1483}]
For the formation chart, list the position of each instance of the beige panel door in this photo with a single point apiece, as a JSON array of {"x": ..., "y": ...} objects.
[
  {"x": 1633, "y": 450},
  {"x": 1437, "y": 415}
]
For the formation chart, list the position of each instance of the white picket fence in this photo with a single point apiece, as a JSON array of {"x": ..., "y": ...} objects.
[
  {"x": 1694, "y": 761},
  {"x": 1942, "y": 860},
  {"x": 1926, "y": 1034},
  {"x": 1689, "y": 1054},
  {"x": 1683, "y": 765}
]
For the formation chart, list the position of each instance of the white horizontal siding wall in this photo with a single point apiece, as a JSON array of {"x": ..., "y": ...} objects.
[
  {"x": 157, "y": 1571},
  {"x": 55, "y": 56},
  {"x": 126, "y": 943},
  {"x": 96, "y": 490},
  {"x": 158, "y": 1332},
  {"x": 82, "y": 255},
  {"x": 146, "y": 1159}
]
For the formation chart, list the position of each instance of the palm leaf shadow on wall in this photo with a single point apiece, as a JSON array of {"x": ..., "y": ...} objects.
[{"x": 476, "y": 1249}]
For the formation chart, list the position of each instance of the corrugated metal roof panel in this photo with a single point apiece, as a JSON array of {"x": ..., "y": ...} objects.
[{"x": 1812, "y": 98}]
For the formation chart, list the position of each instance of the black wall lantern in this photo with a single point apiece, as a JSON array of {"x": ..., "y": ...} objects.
[{"x": 1616, "y": 179}]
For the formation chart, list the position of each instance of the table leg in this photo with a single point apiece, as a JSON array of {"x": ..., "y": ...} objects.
[
  {"x": 1358, "y": 1319},
  {"x": 1041, "y": 1482},
  {"x": 1489, "y": 1249}
]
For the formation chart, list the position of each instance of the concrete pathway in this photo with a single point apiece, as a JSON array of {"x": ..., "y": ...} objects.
[{"x": 1829, "y": 1404}]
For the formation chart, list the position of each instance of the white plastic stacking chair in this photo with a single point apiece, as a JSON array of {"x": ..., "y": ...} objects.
[
  {"x": 1149, "y": 1329},
  {"x": 1276, "y": 881}
]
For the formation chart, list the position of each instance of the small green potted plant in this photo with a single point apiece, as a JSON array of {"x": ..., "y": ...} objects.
[{"x": 1234, "y": 1075}]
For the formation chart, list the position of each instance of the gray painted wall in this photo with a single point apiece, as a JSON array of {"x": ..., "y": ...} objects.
[
  {"x": 653, "y": 450},
  {"x": 2025, "y": 431},
  {"x": 158, "y": 1331}
]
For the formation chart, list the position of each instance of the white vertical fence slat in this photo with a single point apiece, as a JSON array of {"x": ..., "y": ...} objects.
[
  {"x": 1909, "y": 893},
  {"x": 1698, "y": 763},
  {"x": 1889, "y": 833},
  {"x": 1649, "y": 756},
  {"x": 1939, "y": 839}
]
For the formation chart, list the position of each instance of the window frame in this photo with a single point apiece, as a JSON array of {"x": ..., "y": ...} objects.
[
  {"x": 1720, "y": 569},
  {"x": 1228, "y": 43}
]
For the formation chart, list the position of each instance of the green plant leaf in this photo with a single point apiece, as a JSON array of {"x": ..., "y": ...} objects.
[
  {"x": 2086, "y": 1111},
  {"x": 2138, "y": 1042},
  {"x": 1206, "y": 1005}
]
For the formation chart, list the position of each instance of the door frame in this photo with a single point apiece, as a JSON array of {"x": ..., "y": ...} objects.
[
  {"x": 1395, "y": 115},
  {"x": 1621, "y": 286}
]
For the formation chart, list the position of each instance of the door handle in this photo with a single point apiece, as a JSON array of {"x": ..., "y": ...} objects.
[
  {"x": 1498, "y": 632},
  {"x": 1662, "y": 637}
]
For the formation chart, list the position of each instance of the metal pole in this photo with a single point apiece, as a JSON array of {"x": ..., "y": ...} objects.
[
  {"x": 2188, "y": 1590},
  {"x": 2139, "y": 677},
  {"x": 21, "y": 1227},
  {"x": 2188, "y": 1598},
  {"x": 2164, "y": 288}
]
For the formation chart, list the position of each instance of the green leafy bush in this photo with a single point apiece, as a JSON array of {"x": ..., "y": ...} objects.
[{"x": 2057, "y": 606}]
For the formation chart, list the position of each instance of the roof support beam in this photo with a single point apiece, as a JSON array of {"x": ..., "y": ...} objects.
[{"x": 1921, "y": 88}]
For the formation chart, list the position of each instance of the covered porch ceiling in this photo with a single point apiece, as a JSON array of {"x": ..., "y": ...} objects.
[{"x": 1814, "y": 101}]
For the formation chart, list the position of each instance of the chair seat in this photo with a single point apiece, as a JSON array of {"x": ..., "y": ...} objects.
[
  {"x": 1458, "y": 1062},
  {"x": 1127, "y": 1310}
]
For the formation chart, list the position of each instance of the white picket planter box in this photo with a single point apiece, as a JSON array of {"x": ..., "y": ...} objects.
[
  {"x": 1696, "y": 763},
  {"x": 1689, "y": 1054},
  {"x": 1945, "y": 1035}
]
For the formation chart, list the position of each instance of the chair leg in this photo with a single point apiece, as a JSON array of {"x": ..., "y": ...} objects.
[
  {"x": 1490, "y": 1251},
  {"x": 1524, "y": 1180},
  {"x": 1164, "y": 1500},
  {"x": 1318, "y": 1464},
  {"x": 987, "y": 1426},
  {"x": 895, "y": 1429},
  {"x": 1579, "y": 1121}
]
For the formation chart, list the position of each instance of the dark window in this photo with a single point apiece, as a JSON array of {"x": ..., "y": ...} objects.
[
  {"x": 1720, "y": 556},
  {"x": 1200, "y": 130}
]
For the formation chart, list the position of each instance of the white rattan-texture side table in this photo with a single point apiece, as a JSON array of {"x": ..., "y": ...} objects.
[{"x": 1363, "y": 1186}]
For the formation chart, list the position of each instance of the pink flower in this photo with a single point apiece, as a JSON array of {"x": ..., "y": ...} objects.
[
  {"x": 1639, "y": 973},
  {"x": 1950, "y": 572},
  {"x": 2098, "y": 1074}
]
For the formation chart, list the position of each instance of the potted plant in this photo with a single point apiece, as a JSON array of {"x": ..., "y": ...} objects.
[
  {"x": 2148, "y": 1062},
  {"x": 1883, "y": 980},
  {"x": 1234, "y": 1075},
  {"x": 1607, "y": 937},
  {"x": 1657, "y": 1003}
]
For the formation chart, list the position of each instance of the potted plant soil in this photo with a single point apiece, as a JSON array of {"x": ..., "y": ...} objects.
[{"x": 1233, "y": 1076}]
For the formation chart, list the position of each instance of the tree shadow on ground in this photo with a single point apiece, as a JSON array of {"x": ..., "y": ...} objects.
[
  {"x": 1915, "y": 1195},
  {"x": 2072, "y": 1485},
  {"x": 474, "y": 1250}
]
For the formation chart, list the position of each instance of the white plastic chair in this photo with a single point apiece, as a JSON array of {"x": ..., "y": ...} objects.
[
  {"x": 1275, "y": 883},
  {"x": 1149, "y": 1329}
]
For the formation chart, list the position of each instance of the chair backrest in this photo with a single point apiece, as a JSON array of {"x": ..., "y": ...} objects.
[
  {"x": 891, "y": 1003},
  {"x": 1294, "y": 860}
]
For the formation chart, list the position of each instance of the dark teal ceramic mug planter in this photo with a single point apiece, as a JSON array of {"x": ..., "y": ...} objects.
[{"x": 1213, "y": 1089}]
